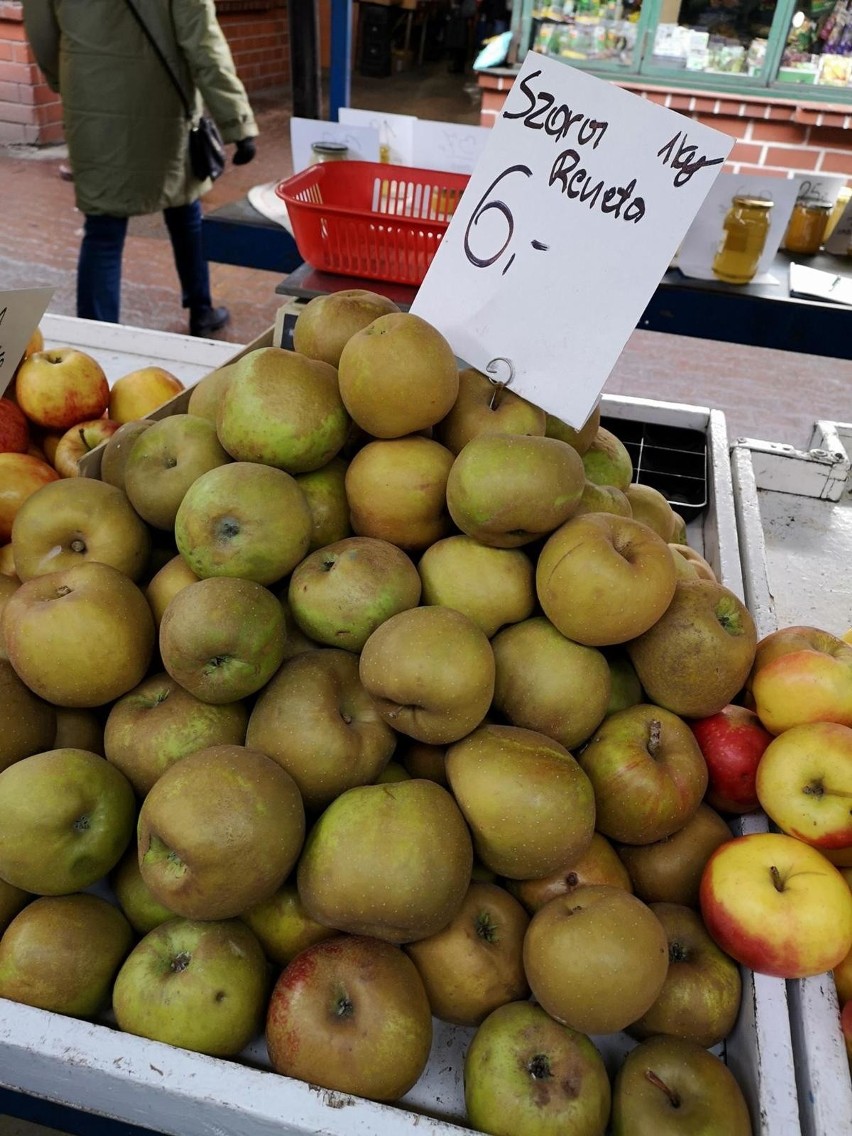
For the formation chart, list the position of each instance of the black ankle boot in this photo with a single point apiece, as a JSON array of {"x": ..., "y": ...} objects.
[{"x": 204, "y": 321}]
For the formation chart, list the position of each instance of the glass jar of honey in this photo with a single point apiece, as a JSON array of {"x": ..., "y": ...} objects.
[
  {"x": 807, "y": 225},
  {"x": 328, "y": 152},
  {"x": 837, "y": 212},
  {"x": 745, "y": 228}
]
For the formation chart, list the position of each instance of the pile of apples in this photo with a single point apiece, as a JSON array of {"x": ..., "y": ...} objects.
[
  {"x": 359, "y": 692},
  {"x": 59, "y": 408}
]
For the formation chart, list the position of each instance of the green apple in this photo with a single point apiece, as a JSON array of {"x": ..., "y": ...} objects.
[
  {"x": 142, "y": 910},
  {"x": 78, "y": 520},
  {"x": 603, "y": 499},
  {"x": 326, "y": 323},
  {"x": 159, "y": 722},
  {"x": 625, "y": 687},
  {"x": 607, "y": 460},
  {"x": 484, "y": 408},
  {"x": 667, "y": 1086},
  {"x": 579, "y": 982},
  {"x": 29, "y": 721},
  {"x": 475, "y": 963},
  {"x": 282, "y": 925},
  {"x": 431, "y": 673},
  {"x": 350, "y": 1014},
  {"x": 398, "y": 375},
  {"x": 648, "y": 772},
  {"x": 222, "y": 638},
  {"x": 243, "y": 519},
  {"x": 508, "y": 489},
  {"x": 603, "y": 579},
  {"x": 197, "y": 985},
  {"x": 163, "y": 463},
  {"x": 51, "y": 622},
  {"x": 696, "y": 658},
  {"x": 397, "y": 491},
  {"x": 649, "y": 506},
  {"x": 62, "y": 953},
  {"x": 66, "y": 817},
  {"x": 548, "y": 683},
  {"x": 282, "y": 409},
  {"x": 325, "y": 492},
  {"x": 528, "y": 803},
  {"x": 341, "y": 593},
  {"x": 319, "y": 723},
  {"x": 492, "y": 586},
  {"x": 415, "y": 830},
  {"x": 117, "y": 450},
  {"x": 219, "y": 831},
  {"x": 526, "y": 1073},
  {"x": 700, "y": 998}
]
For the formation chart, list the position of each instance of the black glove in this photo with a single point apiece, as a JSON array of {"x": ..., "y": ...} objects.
[{"x": 245, "y": 151}]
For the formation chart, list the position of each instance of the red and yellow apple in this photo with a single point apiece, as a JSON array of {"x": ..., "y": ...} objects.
[
  {"x": 801, "y": 674},
  {"x": 78, "y": 441},
  {"x": 61, "y": 386},
  {"x": 21, "y": 475}
]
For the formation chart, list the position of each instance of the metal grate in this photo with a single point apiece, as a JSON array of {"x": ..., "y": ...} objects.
[{"x": 671, "y": 459}]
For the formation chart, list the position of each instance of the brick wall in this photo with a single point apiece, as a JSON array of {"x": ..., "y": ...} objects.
[
  {"x": 31, "y": 114},
  {"x": 774, "y": 136}
]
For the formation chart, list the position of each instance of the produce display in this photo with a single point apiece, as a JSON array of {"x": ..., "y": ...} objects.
[{"x": 360, "y": 692}]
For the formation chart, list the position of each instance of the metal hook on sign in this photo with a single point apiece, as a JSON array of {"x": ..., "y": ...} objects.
[{"x": 499, "y": 384}]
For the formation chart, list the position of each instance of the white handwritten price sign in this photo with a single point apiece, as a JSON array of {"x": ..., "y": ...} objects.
[
  {"x": 20, "y": 314},
  {"x": 569, "y": 221}
]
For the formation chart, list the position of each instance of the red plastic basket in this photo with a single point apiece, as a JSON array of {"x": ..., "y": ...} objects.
[{"x": 370, "y": 219}]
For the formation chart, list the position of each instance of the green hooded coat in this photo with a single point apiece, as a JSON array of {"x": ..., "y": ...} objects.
[{"x": 125, "y": 124}]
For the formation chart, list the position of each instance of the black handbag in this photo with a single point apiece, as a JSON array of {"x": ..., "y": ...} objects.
[{"x": 204, "y": 143}]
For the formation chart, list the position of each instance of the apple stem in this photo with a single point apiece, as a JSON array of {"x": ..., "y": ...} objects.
[
  {"x": 655, "y": 730},
  {"x": 776, "y": 878},
  {"x": 659, "y": 1083}
]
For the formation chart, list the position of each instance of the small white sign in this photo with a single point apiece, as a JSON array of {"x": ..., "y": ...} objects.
[
  {"x": 840, "y": 241},
  {"x": 450, "y": 146},
  {"x": 362, "y": 141},
  {"x": 570, "y": 219},
  {"x": 396, "y": 131},
  {"x": 699, "y": 246},
  {"x": 20, "y": 315}
]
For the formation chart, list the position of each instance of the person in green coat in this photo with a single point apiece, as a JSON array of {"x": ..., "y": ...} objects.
[{"x": 127, "y": 129}]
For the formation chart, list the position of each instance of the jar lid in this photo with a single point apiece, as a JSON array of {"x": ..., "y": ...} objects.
[
  {"x": 817, "y": 204},
  {"x": 336, "y": 148},
  {"x": 754, "y": 202}
]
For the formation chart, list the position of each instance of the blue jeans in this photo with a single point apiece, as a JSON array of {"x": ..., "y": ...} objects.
[{"x": 99, "y": 263}]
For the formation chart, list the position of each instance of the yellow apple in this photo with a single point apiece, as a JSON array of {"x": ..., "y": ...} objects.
[
  {"x": 135, "y": 395},
  {"x": 78, "y": 441}
]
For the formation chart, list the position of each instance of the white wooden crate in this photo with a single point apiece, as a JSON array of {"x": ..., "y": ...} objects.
[
  {"x": 794, "y": 512},
  {"x": 98, "y": 1069}
]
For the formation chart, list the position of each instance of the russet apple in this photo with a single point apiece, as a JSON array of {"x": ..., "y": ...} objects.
[
  {"x": 14, "y": 428},
  {"x": 417, "y": 832},
  {"x": 243, "y": 519},
  {"x": 649, "y": 506},
  {"x": 222, "y": 638},
  {"x": 282, "y": 409},
  {"x": 506, "y": 490},
  {"x": 482, "y": 407},
  {"x": 580, "y": 438},
  {"x": 60, "y": 387},
  {"x": 325, "y": 492},
  {"x": 647, "y": 772},
  {"x": 598, "y": 864},
  {"x": 398, "y": 375},
  {"x": 777, "y": 905},
  {"x": 319, "y": 723},
  {"x": 397, "y": 491},
  {"x": 341, "y": 593},
  {"x": 475, "y": 963},
  {"x": 29, "y": 722},
  {"x": 79, "y": 729},
  {"x": 577, "y": 981},
  {"x": 326, "y": 323},
  {"x": 137, "y": 393},
  {"x": 801, "y": 674},
  {"x": 12, "y": 900},
  {"x": 282, "y": 925},
  {"x": 219, "y": 831},
  {"x": 165, "y": 460},
  {"x": 733, "y": 740},
  {"x": 142, "y": 911},
  {"x": 117, "y": 450},
  {"x": 79, "y": 440},
  {"x": 804, "y": 783},
  {"x": 350, "y": 1014},
  {"x": 527, "y": 802},
  {"x": 78, "y": 521},
  {"x": 21, "y": 475},
  {"x": 698, "y": 654},
  {"x": 607, "y": 461},
  {"x": 51, "y": 621},
  {"x": 198, "y": 985},
  {"x": 548, "y": 683},
  {"x": 687, "y": 557},
  {"x": 602, "y": 499},
  {"x": 66, "y": 817},
  {"x": 431, "y": 672},
  {"x": 166, "y": 583},
  {"x": 603, "y": 579},
  {"x": 205, "y": 396}
]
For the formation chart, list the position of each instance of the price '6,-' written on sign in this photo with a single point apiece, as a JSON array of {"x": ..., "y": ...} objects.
[{"x": 571, "y": 216}]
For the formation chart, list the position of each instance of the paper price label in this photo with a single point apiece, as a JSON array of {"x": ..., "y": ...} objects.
[
  {"x": 571, "y": 217},
  {"x": 20, "y": 315}
]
